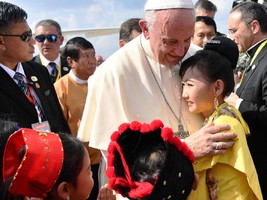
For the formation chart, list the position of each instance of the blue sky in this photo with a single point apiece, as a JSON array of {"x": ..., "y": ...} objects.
[{"x": 81, "y": 14}]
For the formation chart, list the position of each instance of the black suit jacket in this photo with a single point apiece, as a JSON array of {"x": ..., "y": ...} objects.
[
  {"x": 253, "y": 91},
  {"x": 14, "y": 102},
  {"x": 64, "y": 68}
]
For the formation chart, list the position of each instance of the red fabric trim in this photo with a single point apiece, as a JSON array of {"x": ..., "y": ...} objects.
[
  {"x": 44, "y": 155},
  {"x": 136, "y": 189}
]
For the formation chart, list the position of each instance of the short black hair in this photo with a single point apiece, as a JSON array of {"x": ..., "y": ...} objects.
[
  {"x": 252, "y": 11},
  {"x": 213, "y": 66},
  {"x": 7, "y": 128},
  {"x": 206, "y": 5},
  {"x": 72, "y": 47},
  {"x": 10, "y": 14},
  {"x": 236, "y": 2},
  {"x": 127, "y": 27},
  {"x": 208, "y": 21},
  {"x": 73, "y": 158},
  {"x": 49, "y": 22}
]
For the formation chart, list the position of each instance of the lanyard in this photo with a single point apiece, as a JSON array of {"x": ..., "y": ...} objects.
[
  {"x": 33, "y": 101},
  {"x": 258, "y": 51},
  {"x": 253, "y": 58},
  {"x": 59, "y": 70}
]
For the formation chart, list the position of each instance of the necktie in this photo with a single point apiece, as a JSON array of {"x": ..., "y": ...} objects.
[
  {"x": 21, "y": 83},
  {"x": 244, "y": 64},
  {"x": 31, "y": 97},
  {"x": 54, "y": 71}
]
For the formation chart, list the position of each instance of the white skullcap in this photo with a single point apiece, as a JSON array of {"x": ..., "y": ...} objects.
[{"x": 168, "y": 4}]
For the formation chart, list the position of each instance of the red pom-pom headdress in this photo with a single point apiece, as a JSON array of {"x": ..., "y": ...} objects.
[
  {"x": 128, "y": 141},
  {"x": 36, "y": 173}
]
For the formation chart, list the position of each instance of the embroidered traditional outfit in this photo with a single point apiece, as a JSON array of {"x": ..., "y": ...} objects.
[
  {"x": 222, "y": 175},
  {"x": 68, "y": 88}
]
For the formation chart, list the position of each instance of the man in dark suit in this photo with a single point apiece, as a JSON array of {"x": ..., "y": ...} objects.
[
  {"x": 48, "y": 39},
  {"x": 248, "y": 28},
  {"x": 31, "y": 98}
]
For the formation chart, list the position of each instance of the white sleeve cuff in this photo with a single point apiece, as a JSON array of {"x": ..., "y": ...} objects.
[{"x": 237, "y": 105}]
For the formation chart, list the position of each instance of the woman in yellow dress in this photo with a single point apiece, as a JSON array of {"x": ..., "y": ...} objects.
[{"x": 207, "y": 79}]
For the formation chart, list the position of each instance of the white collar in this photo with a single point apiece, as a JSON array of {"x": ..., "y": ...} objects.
[
  {"x": 46, "y": 62},
  {"x": 255, "y": 45},
  {"x": 76, "y": 79},
  {"x": 11, "y": 72}
]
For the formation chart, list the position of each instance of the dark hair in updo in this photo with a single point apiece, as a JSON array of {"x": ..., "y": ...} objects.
[{"x": 213, "y": 66}]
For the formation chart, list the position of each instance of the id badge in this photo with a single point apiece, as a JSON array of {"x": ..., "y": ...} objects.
[{"x": 41, "y": 126}]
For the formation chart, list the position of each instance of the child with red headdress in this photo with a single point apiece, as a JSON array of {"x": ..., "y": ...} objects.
[
  {"x": 146, "y": 161},
  {"x": 46, "y": 165}
]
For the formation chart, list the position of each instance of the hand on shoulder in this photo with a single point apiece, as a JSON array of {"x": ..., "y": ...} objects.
[{"x": 210, "y": 140}]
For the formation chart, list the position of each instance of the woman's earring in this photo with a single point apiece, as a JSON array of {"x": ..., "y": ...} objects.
[{"x": 216, "y": 103}]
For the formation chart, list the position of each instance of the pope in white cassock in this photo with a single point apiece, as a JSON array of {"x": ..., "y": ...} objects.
[{"x": 141, "y": 81}]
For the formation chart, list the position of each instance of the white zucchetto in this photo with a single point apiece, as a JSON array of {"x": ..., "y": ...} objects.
[{"x": 168, "y": 4}]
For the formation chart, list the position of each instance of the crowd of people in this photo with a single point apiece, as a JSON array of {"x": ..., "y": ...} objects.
[{"x": 164, "y": 117}]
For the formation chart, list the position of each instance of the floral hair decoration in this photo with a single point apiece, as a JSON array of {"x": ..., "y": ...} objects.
[{"x": 129, "y": 141}]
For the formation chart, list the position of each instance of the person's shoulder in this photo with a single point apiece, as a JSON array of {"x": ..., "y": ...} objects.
[
  {"x": 34, "y": 65},
  {"x": 32, "y": 68},
  {"x": 36, "y": 59},
  {"x": 128, "y": 53},
  {"x": 220, "y": 34},
  {"x": 265, "y": 49},
  {"x": 230, "y": 120},
  {"x": 65, "y": 65},
  {"x": 63, "y": 81},
  {"x": 121, "y": 62},
  {"x": 260, "y": 59},
  {"x": 192, "y": 50}
]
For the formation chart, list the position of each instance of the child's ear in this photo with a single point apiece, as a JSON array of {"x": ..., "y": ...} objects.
[{"x": 63, "y": 190}]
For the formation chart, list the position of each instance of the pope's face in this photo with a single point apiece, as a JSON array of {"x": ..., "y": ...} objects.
[{"x": 171, "y": 34}]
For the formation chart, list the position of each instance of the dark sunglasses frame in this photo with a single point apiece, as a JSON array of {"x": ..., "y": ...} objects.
[
  {"x": 52, "y": 38},
  {"x": 25, "y": 37}
]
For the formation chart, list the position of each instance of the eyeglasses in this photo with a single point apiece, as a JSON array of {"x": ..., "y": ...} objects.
[
  {"x": 50, "y": 38},
  {"x": 26, "y": 36},
  {"x": 234, "y": 30}
]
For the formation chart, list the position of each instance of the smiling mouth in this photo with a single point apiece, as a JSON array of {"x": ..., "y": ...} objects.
[
  {"x": 174, "y": 56},
  {"x": 189, "y": 103}
]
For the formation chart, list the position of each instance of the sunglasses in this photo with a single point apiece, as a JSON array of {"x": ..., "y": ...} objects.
[
  {"x": 50, "y": 38},
  {"x": 26, "y": 36}
]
